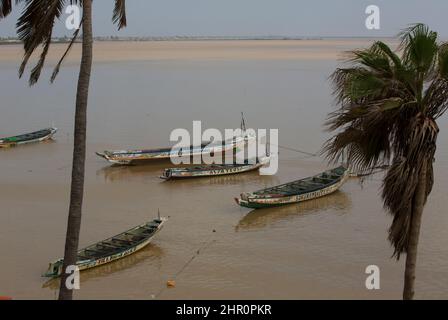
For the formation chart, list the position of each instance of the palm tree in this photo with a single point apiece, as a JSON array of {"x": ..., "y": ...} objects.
[
  {"x": 35, "y": 27},
  {"x": 388, "y": 106}
]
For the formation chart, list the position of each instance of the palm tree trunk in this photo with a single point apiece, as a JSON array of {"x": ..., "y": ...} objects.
[
  {"x": 411, "y": 256},
  {"x": 79, "y": 151}
]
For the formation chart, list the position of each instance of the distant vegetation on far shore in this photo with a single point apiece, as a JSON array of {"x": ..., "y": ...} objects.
[{"x": 65, "y": 39}]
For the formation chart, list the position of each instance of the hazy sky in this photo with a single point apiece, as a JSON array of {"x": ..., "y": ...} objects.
[{"x": 259, "y": 17}]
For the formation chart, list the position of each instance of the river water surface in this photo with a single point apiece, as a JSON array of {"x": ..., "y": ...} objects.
[{"x": 139, "y": 93}]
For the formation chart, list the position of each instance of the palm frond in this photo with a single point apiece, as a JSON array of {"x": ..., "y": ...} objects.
[
  {"x": 35, "y": 73},
  {"x": 372, "y": 59},
  {"x": 380, "y": 47},
  {"x": 61, "y": 60},
  {"x": 443, "y": 60},
  {"x": 365, "y": 134},
  {"x": 419, "y": 45},
  {"x": 119, "y": 14},
  {"x": 5, "y": 8},
  {"x": 436, "y": 98},
  {"x": 34, "y": 27}
]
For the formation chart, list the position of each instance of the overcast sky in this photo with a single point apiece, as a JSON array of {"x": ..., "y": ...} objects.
[{"x": 259, "y": 17}]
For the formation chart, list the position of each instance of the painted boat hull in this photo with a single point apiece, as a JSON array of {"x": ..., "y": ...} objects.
[
  {"x": 95, "y": 263},
  {"x": 129, "y": 157},
  {"x": 209, "y": 173},
  {"x": 257, "y": 202},
  {"x": 5, "y": 143},
  {"x": 55, "y": 268},
  {"x": 134, "y": 156}
]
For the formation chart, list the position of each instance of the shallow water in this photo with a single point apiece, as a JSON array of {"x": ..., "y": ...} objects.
[{"x": 317, "y": 249}]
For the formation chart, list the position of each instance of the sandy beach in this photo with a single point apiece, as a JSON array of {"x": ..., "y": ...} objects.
[{"x": 228, "y": 50}]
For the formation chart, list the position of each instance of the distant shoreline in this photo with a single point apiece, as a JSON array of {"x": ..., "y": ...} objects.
[
  {"x": 212, "y": 49},
  {"x": 7, "y": 41}
]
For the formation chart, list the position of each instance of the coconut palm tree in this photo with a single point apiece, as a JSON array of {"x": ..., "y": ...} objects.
[
  {"x": 388, "y": 106},
  {"x": 35, "y": 28}
]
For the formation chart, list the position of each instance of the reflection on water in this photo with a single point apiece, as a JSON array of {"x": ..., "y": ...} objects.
[
  {"x": 154, "y": 170},
  {"x": 151, "y": 253},
  {"x": 338, "y": 201},
  {"x": 27, "y": 145},
  {"x": 231, "y": 179},
  {"x": 114, "y": 173}
]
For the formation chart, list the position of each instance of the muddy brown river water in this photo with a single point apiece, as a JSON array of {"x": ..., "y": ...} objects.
[{"x": 140, "y": 92}]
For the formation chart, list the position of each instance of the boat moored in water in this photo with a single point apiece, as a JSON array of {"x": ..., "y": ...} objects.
[
  {"x": 296, "y": 191},
  {"x": 128, "y": 157},
  {"x": 112, "y": 249},
  {"x": 213, "y": 169},
  {"x": 36, "y": 136}
]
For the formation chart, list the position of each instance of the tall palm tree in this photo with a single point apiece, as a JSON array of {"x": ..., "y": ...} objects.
[
  {"x": 388, "y": 106},
  {"x": 35, "y": 28}
]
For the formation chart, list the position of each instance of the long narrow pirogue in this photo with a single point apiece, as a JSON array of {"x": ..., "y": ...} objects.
[
  {"x": 111, "y": 249},
  {"x": 127, "y": 157},
  {"x": 296, "y": 191},
  {"x": 213, "y": 169},
  {"x": 31, "y": 137}
]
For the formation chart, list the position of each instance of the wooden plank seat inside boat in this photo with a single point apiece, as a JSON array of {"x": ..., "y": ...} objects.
[
  {"x": 99, "y": 250},
  {"x": 126, "y": 242},
  {"x": 211, "y": 167},
  {"x": 298, "y": 187},
  {"x": 109, "y": 246},
  {"x": 83, "y": 257},
  {"x": 116, "y": 244},
  {"x": 322, "y": 180},
  {"x": 28, "y": 136}
]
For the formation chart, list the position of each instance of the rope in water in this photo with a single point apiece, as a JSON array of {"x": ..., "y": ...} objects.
[
  {"x": 299, "y": 151},
  {"x": 375, "y": 170},
  {"x": 307, "y": 153},
  {"x": 205, "y": 245}
]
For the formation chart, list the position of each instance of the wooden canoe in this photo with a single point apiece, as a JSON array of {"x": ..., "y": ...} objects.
[
  {"x": 31, "y": 137},
  {"x": 296, "y": 191},
  {"x": 111, "y": 249},
  {"x": 212, "y": 170},
  {"x": 128, "y": 157}
]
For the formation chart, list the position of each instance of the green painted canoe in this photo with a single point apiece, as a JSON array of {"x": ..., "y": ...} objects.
[
  {"x": 296, "y": 191},
  {"x": 31, "y": 137},
  {"x": 113, "y": 248}
]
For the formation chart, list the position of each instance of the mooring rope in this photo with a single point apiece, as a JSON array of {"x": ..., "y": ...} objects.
[
  {"x": 374, "y": 170},
  {"x": 299, "y": 151},
  {"x": 205, "y": 245},
  {"x": 308, "y": 153}
]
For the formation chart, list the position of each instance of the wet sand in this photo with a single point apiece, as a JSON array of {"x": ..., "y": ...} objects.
[{"x": 142, "y": 91}]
